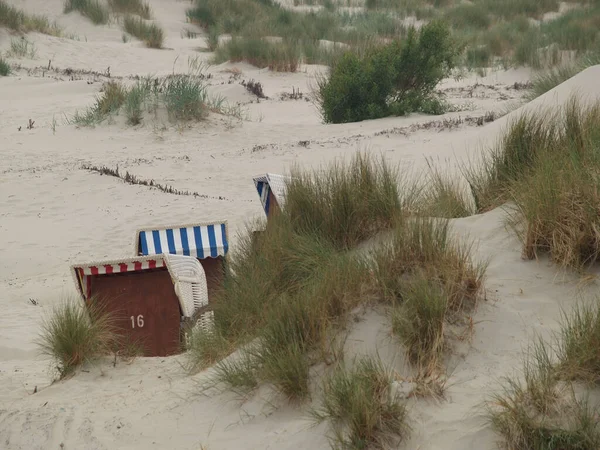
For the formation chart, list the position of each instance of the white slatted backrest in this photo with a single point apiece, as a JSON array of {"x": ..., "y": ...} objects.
[{"x": 190, "y": 283}]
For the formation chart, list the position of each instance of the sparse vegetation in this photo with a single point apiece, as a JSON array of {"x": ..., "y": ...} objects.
[
  {"x": 541, "y": 408},
  {"x": 491, "y": 33},
  {"x": 363, "y": 409},
  {"x": 178, "y": 97},
  {"x": 22, "y": 48},
  {"x": 94, "y": 10},
  {"x": 137, "y": 7},
  {"x": 73, "y": 334},
  {"x": 17, "y": 20},
  {"x": 150, "y": 33}
]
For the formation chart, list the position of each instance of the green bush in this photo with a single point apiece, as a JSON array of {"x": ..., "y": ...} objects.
[{"x": 394, "y": 79}]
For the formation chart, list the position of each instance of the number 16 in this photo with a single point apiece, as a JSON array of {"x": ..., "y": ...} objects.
[{"x": 140, "y": 321}]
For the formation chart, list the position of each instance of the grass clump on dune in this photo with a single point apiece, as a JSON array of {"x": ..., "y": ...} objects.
[
  {"x": 541, "y": 408},
  {"x": 546, "y": 165},
  {"x": 17, "y": 20},
  {"x": 362, "y": 407},
  {"x": 74, "y": 334},
  {"x": 137, "y": 7},
  {"x": 92, "y": 9},
  {"x": 178, "y": 97},
  {"x": 150, "y": 33},
  {"x": 427, "y": 278},
  {"x": 112, "y": 97},
  {"x": 348, "y": 203}
]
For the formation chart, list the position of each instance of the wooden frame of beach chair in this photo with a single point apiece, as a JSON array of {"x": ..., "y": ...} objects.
[
  {"x": 206, "y": 241},
  {"x": 155, "y": 300}
]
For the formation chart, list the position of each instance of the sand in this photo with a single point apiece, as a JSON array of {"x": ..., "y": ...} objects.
[{"x": 54, "y": 213}]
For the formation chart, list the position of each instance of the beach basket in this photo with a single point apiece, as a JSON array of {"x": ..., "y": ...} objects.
[
  {"x": 271, "y": 190},
  {"x": 151, "y": 297},
  {"x": 207, "y": 242}
]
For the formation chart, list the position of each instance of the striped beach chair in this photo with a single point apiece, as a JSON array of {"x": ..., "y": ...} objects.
[
  {"x": 271, "y": 190},
  {"x": 207, "y": 242},
  {"x": 154, "y": 299}
]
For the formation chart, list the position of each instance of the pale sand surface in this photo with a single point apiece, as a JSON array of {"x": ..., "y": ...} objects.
[{"x": 53, "y": 213}]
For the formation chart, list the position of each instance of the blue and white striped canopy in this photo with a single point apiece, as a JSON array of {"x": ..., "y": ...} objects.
[{"x": 201, "y": 241}]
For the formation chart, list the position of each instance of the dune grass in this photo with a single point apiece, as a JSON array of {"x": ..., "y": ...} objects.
[
  {"x": 427, "y": 278},
  {"x": 137, "y": 7},
  {"x": 546, "y": 164},
  {"x": 112, "y": 97},
  {"x": 181, "y": 97},
  {"x": 94, "y": 10},
  {"x": 578, "y": 356},
  {"x": 21, "y": 48},
  {"x": 72, "y": 335},
  {"x": 540, "y": 408},
  {"x": 149, "y": 33},
  {"x": 348, "y": 203},
  {"x": 277, "y": 56},
  {"x": 290, "y": 289},
  {"x": 547, "y": 80},
  {"x": 362, "y": 409},
  {"x": 17, "y": 20},
  {"x": 492, "y": 32},
  {"x": 4, "y": 68}
]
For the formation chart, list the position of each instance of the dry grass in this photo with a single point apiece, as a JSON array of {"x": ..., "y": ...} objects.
[{"x": 73, "y": 334}]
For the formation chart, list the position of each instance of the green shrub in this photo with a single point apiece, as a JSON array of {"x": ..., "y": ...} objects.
[
  {"x": 151, "y": 34},
  {"x": 92, "y": 9},
  {"x": 74, "y": 334},
  {"x": 394, "y": 79}
]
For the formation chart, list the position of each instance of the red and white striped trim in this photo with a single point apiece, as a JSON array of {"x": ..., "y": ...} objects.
[{"x": 122, "y": 267}]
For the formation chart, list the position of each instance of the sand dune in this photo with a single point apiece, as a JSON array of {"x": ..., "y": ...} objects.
[{"x": 53, "y": 213}]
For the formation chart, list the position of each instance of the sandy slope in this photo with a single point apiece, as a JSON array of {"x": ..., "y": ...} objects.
[{"x": 53, "y": 213}]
